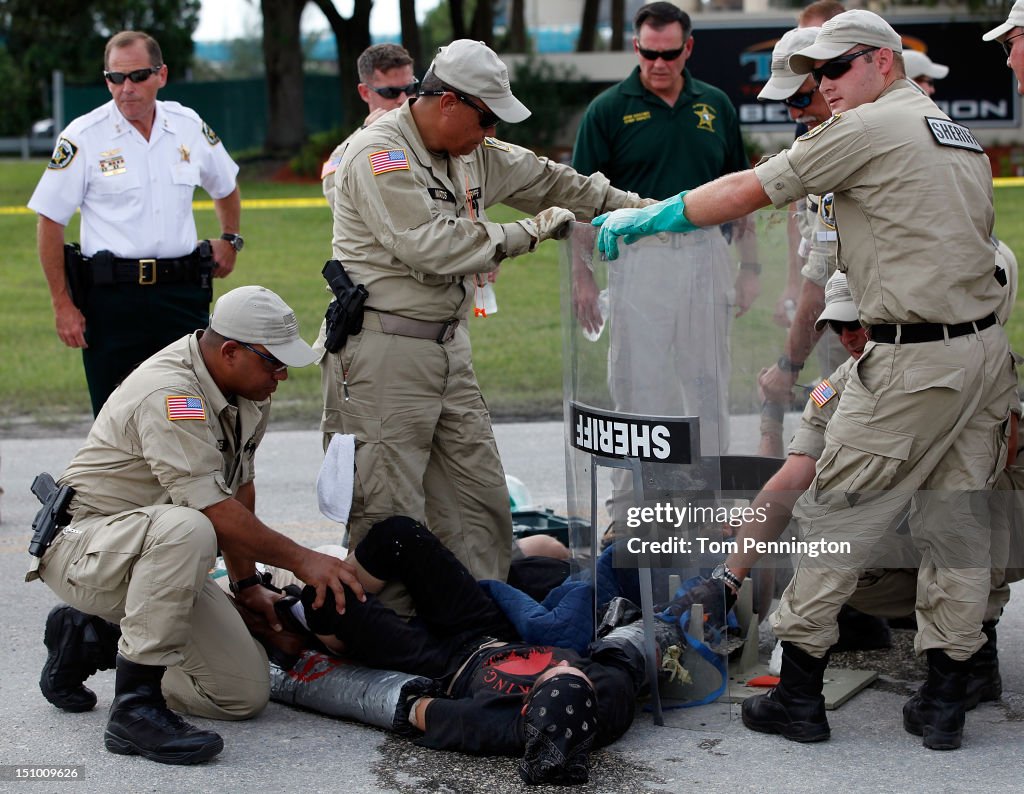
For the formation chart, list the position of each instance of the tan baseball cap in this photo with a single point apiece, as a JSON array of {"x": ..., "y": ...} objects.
[
  {"x": 1015, "y": 20},
  {"x": 783, "y": 83},
  {"x": 920, "y": 65},
  {"x": 839, "y": 303},
  {"x": 475, "y": 69},
  {"x": 842, "y": 32},
  {"x": 257, "y": 316}
]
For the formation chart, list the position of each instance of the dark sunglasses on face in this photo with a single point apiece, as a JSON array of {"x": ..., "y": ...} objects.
[
  {"x": 665, "y": 55},
  {"x": 138, "y": 76},
  {"x": 395, "y": 91},
  {"x": 837, "y": 67},
  {"x": 270, "y": 363},
  {"x": 1008, "y": 45},
  {"x": 487, "y": 118},
  {"x": 801, "y": 100},
  {"x": 852, "y": 326}
]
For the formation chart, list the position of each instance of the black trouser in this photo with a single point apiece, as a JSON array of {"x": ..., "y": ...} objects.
[
  {"x": 452, "y": 610},
  {"x": 127, "y": 323}
]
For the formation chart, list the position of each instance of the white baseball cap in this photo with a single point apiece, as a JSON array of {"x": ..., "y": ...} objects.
[
  {"x": 842, "y": 32},
  {"x": 920, "y": 65},
  {"x": 839, "y": 303},
  {"x": 475, "y": 69},
  {"x": 783, "y": 83},
  {"x": 1015, "y": 20},
  {"x": 257, "y": 316}
]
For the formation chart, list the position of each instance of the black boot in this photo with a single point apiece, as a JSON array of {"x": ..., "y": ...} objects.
[
  {"x": 78, "y": 645},
  {"x": 984, "y": 684},
  {"x": 141, "y": 723},
  {"x": 937, "y": 711},
  {"x": 795, "y": 709}
]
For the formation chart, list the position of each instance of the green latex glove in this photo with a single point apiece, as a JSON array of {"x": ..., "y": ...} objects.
[{"x": 632, "y": 224}]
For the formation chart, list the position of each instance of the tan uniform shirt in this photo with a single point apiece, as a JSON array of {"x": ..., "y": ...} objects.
[
  {"x": 809, "y": 438},
  {"x": 820, "y": 239},
  {"x": 913, "y": 206},
  {"x": 411, "y": 225},
  {"x": 167, "y": 435}
]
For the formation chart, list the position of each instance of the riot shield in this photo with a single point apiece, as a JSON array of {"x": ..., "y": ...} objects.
[{"x": 663, "y": 423}]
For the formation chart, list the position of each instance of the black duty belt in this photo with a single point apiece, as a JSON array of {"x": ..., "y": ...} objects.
[
  {"x": 195, "y": 268},
  {"x": 927, "y": 332},
  {"x": 440, "y": 332}
]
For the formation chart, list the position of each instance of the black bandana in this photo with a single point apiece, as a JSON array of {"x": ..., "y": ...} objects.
[{"x": 560, "y": 722}]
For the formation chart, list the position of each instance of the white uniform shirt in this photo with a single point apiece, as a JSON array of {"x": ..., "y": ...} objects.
[{"x": 135, "y": 195}]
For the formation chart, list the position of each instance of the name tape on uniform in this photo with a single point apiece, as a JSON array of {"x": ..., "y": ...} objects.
[
  {"x": 615, "y": 436},
  {"x": 949, "y": 133}
]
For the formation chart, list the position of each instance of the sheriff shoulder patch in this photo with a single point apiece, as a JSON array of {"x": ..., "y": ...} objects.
[
  {"x": 494, "y": 143},
  {"x": 190, "y": 407},
  {"x": 388, "y": 160},
  {"x": 63, "y": 153},
  {"x": 822, "y": 393},
  {"x": 949, "y": 133},
  {"x": 821, "y": 127},
  {"x": 210, "y": 135}
]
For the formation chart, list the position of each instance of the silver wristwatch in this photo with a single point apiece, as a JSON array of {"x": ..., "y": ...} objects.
[{"x": 722, "y": 572}]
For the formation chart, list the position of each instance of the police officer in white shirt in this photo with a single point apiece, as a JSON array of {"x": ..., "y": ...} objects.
[{"x": 140, "y": 280}]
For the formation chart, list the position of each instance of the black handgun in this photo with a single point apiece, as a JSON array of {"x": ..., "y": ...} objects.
[
  {"x": 52, "y": 515},
  {"x": 345, "y": 313}
]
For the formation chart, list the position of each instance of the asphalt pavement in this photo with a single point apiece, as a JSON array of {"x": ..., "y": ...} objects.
[{"x": 703, "y": 749}]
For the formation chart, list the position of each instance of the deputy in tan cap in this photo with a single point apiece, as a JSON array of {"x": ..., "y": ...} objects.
[
  {"x": 1009, "y": 34},
  {"x": 164, "y": 479},
  {"x": 410, "y": 223},
  {"x": 923, "y": 70},
  {"x": 928, "y": 412}
]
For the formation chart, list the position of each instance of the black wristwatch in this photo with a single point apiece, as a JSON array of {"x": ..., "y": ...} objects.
[
  {"x": 236, "y": 240},
  {"x": 786, "y": 365},
  {"x": 264, "y": 579},
  {"x": 723, "y": 573}
]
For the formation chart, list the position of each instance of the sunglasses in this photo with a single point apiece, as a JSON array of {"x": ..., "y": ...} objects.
[
  {"x": 837, "y": 67},
  {"x": 138, "y": 76},
  {"x": 395, "y": 91},
  {"x": 653, "y": 55},
  {"x": 487, "y": 118},
  {"x": 271, "y": 364},
  {"x": 1007, "y": 46},
  {"x": 838, "y": 326},
  {"x": 801, "y": 100}
]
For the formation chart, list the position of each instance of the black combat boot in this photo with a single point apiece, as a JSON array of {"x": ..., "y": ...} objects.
[
  {"x": 936, "y": 712},
  {"x": 78, "y": 645},
  {"x": 984, "y": 684},
  {"x": 795, "y": 709},
  {"x": 141, "y": 723}
]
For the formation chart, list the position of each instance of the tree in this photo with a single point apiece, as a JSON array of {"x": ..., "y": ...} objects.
[
  {"x": 411, "y": 32},
  {"x": 282, "y": 54},
  {"x": 70, "y": 35},
  {"x": 588, "y": 26},
  {"x": 352, "y": 36}
]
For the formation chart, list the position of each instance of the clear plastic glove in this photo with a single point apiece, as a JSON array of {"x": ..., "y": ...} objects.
[
  {"x": 554, "y": 223},
  {"x": 632, "y": 224}
]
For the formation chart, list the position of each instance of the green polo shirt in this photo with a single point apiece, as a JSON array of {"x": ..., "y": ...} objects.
[{"x": 641, "y": 144}]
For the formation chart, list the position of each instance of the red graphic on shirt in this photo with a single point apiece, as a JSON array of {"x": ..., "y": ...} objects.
[{"x": 500, "y": 672}]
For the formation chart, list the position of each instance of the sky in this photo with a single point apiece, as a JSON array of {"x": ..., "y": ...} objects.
[{"x": 232, "y": 19}]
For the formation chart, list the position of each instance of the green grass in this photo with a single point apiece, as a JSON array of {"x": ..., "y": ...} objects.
[{"x": 517, "y": 352}]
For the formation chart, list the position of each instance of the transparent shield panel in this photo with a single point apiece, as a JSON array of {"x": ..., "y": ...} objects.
[{"x": 664, "y": 423}]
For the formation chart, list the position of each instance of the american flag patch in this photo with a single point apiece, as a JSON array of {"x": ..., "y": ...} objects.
[
  {"x": 822, "y": 393},
  {"x": 389, "y": 160},
  {"x": 185, "y": 408},
  {"x": 331, "y": 165}
]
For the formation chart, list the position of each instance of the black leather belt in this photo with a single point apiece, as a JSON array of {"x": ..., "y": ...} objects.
[
  {"x": 914, "y": 333},
  {"x": 195, "y": 268}
]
